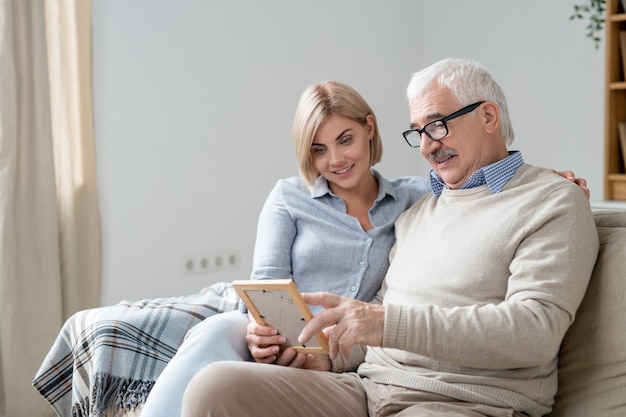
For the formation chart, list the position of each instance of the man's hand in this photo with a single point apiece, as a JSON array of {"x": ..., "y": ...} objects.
[
  {"x": 345, "y": 321},
  {"x": 581, "y": 182}
]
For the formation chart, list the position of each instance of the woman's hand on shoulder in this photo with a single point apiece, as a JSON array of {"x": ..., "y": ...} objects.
[{"x": 581, "y": 182}]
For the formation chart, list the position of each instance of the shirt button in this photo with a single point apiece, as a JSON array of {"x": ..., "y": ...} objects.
[
  {"x": 353, "y": 289},
  {"x": 368, "y": 241},
  {"x": 362, "y": 263}
]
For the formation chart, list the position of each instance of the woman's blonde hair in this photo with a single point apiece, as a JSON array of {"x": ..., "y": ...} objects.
[{"x": 316, "y": 103}]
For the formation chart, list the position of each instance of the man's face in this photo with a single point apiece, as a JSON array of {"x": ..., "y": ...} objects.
[{"x": 471, "y": 142}]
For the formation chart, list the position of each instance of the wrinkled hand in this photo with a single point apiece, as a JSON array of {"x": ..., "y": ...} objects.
[
  {"x": 581, "y": 182},
  {"x": 345, "y": 321},
  {"x": 263, "y": 342}
]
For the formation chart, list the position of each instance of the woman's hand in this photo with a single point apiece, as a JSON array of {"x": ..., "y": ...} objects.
[
  {"x": 290, "y": 357},
  {"x": 581, "y": 182},
  {"x": 264, "y": 342},
  {"x": 264, "y": 345}
]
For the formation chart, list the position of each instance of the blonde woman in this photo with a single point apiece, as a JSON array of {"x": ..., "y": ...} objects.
[{"x": 330, "y": 229}]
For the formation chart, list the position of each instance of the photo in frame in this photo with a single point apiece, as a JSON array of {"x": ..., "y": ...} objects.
[{"x": 279, "y": 304}]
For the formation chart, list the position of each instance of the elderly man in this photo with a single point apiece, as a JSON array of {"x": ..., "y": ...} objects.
[{"x": 485, "y": 279}]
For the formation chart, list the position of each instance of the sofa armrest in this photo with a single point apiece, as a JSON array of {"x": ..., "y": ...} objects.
[{"x": 592, "y": 359}]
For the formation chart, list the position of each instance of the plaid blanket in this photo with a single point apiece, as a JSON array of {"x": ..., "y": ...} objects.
[{"x": 105, "y": 360}]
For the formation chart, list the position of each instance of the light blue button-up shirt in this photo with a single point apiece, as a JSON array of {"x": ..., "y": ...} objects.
[
  {"x": 495, "y": 175},
  {"x": 307, "y": 235}
]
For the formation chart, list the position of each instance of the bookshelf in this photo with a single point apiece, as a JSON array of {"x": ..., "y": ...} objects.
[{"x": 615, "y": 101}]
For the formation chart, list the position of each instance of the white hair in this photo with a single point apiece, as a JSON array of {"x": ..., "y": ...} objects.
[{"x": 468, "y": 81}]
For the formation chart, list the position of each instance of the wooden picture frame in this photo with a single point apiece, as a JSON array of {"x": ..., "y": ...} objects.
[{"x": 279, "y": 304}]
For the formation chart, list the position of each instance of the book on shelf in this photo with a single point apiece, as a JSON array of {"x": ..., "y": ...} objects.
[{"x": 621, "y": 127}]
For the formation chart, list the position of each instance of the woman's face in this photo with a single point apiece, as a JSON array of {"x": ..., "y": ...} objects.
[{"x": 341, "y": 151}]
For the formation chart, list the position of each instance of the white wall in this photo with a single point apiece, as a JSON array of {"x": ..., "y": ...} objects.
[
  {"x": 194, "y": 102},
  {"x": 550, "y": 71}
]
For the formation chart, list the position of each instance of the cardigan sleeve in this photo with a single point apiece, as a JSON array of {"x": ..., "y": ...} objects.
[{"x": 549, "y": 273}]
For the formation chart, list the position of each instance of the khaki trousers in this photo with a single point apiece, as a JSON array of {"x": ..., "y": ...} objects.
[{"x": 239, "y": 389}]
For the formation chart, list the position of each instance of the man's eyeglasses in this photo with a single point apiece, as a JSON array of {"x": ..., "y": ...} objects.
[{"x": 437, "y": 129}]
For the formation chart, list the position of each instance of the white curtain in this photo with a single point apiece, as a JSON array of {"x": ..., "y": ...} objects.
[{"x": 49, "y": 218}]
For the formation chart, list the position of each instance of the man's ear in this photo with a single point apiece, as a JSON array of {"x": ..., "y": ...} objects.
[{"x": 490, "y": 116}]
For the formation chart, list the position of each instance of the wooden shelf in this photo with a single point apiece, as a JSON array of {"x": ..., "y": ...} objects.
[
  {"x": 616, "y": 184},
  {"x": 615, "y": 102},
  {"x": 619, "y": 17}
]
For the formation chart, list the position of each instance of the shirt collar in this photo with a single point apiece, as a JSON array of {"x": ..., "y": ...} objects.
[
  {"x": 321, "y": 188},
  {"x": 495, "y": 175}
]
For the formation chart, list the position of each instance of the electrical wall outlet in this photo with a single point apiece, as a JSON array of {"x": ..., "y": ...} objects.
[{"x": 203, "y": 263}]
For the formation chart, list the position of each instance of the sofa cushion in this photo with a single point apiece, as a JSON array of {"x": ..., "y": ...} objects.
[{"x": 592, "y": 360}]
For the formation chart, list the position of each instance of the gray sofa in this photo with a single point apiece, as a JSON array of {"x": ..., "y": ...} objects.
[{"x": 592, "y": 360}]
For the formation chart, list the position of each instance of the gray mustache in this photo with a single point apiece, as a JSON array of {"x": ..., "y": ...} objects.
[{"x": 441, "y": 153}]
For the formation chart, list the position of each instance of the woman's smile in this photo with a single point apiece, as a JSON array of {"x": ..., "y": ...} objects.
[{"x": 344, "y": 170}]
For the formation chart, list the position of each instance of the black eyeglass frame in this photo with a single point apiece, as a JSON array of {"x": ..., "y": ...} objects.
[{"x": 443, "y": 121}]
